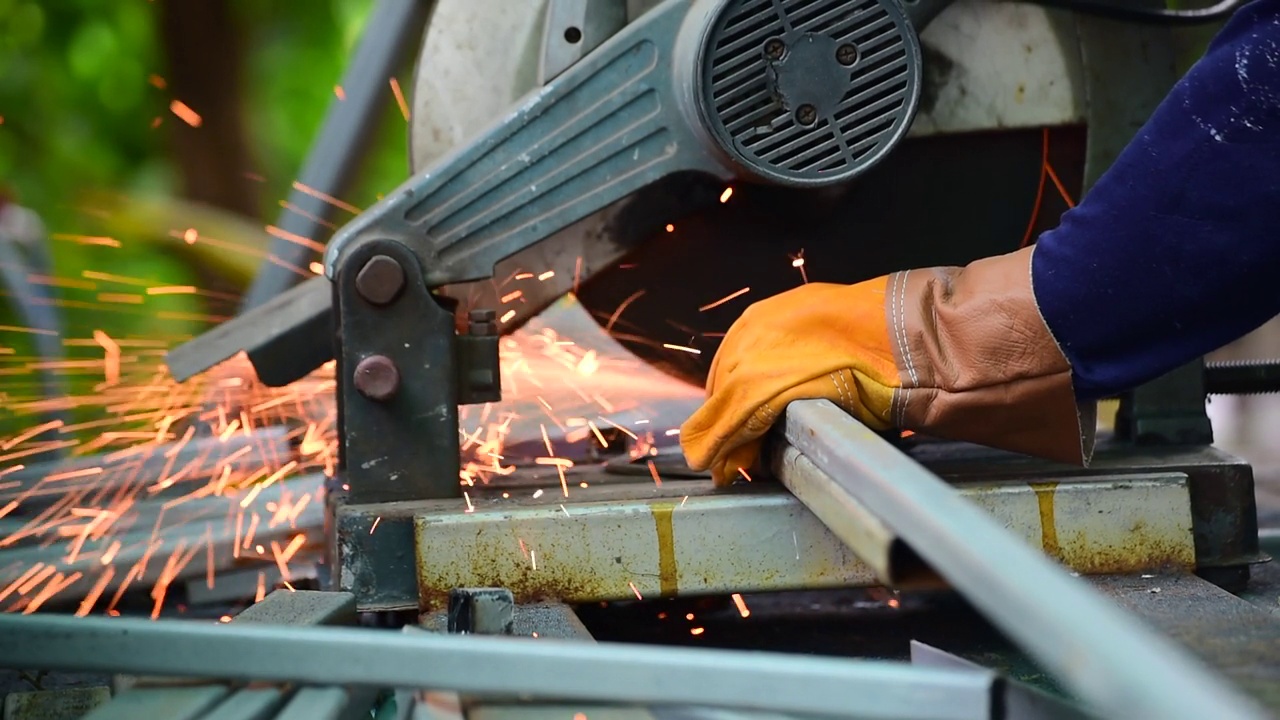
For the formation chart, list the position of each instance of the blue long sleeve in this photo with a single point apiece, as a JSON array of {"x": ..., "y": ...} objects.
[{"x": 1175, "y": 251}]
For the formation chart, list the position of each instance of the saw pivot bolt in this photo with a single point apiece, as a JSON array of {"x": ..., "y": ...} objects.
[
  {"x": 774, "y": 49},
  {"x": 380, "y": 280},
  {"x": 377, "y": 378}
]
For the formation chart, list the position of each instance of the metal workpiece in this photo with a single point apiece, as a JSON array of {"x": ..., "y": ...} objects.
[
  {"x": 1018, "y": 701},
  {"x": 1096, "y": 525},
  {"x": 301, "y": 607},
  {"x": 628, "y": 549},
  {"x": 1115, "y": 665},
  {"x": 372, "y": 554},
  {"x": 687, "y": 539},
  {"x": 481, "y": 611},
  {"x": 1223, "y": 505},
  {"x": 550, "y": 669}
]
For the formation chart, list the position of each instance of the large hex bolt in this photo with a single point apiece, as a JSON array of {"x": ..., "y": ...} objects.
[
  {"x": 380, "y": 280},
  {"x": 377, "y": 378}
]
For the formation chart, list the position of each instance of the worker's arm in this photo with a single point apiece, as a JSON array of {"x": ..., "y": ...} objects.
[{"x": 1174, "y": 252}]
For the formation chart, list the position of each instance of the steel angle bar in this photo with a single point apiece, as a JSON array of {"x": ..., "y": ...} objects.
[
  {"x": 555, "y": 669},
  {"x": 1109, "y": 659}
]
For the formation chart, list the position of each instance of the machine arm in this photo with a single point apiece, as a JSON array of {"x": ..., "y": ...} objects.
[{"x": 725, "y": 89}]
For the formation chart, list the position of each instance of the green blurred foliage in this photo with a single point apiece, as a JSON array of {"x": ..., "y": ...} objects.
[{"x": 79, "y": 145}]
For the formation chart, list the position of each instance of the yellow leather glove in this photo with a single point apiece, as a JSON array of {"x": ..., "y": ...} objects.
[{"x": 958, "y": 353}]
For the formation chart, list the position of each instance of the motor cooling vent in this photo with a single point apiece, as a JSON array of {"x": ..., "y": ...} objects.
[{"x": 809, "y": 92}]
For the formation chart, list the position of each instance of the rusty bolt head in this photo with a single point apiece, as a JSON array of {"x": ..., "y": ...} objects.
[
  {"x": 377, "y": 378},
  {"x": 774, "y": 49},
  {"x": 806, "y": 114},
  {"x": 380, "y": 280},
  {"x": 846, "y": 54}
]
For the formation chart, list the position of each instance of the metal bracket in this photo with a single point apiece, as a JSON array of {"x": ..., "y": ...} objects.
[{"x": 399, "y": 388}]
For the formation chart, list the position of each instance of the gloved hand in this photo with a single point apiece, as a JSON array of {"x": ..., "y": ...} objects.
[{"x": 957, "y": 353}]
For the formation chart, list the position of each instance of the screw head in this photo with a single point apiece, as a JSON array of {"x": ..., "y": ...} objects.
[
  {"x": 380, "y": 280},
  {"x": 774, "y": 49},
  {"x": 846, "y": 54},
  {"x": 806, "y": 114},
  {"x": 377, "y": 378}
]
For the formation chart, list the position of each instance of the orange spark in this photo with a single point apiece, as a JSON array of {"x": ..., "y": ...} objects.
[
  {"x": 507, "y": 316},
  {"x": 635, "y": 590},
  {"x": 339, "y": 92},
  {"x": 156, "y": 81},
  {"x": 724, "y": 196},
  {"x": 404, "y": 106},
  {"x": 86, "y": 239},
  {"x": 653, "y": 471},
  {"x": 184, "y": 113},
  {"x": 326, "y": 198},
  {"x": 682, "y": 348},
  {"x": 725, "y": 299},
  {"x": 374, "y": 526},
  {"x": 547, "y": 275},
  {"x": 111, "y": 357},
  {"x": 697, "y": 631},
  {"x": 172, "y": 290},
  {"x": 742, "y": 605}
]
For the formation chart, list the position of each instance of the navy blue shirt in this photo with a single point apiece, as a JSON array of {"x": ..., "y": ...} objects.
[{"x": 1175, "y": 251}]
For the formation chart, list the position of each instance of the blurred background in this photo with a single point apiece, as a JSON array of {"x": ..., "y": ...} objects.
[{"x": 124, "y": 124}]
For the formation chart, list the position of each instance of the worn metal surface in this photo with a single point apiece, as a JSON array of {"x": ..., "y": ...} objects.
[
  {"x": 1113, "y": 665},
  {"x": 1103, "y": 524},
  {"x": 1228, "y": 634},
  {"x": 405, "y": 445},
  {"x": 618, "y": 549},
  {"x": 560, "y": 669},
  {"x": 544, "y": 620},
  {"x": 1223, "y": 505},
  {"x": 483, "y": 611},
  {"x": 302, "y": 607},
  {"x": 371, "y": 548},
  {"x": 613, "y": 543},
  {"x": 323, "y": 703}
]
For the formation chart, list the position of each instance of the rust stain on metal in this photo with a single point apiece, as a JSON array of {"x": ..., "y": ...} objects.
[
  {"x": 1048, "y": 521},
  {"x": 668, "y": 572}
]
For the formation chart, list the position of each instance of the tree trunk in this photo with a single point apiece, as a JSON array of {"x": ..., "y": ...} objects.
[{"x": 203, "y": 49}]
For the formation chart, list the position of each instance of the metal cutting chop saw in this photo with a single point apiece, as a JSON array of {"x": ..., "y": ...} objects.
[{"x": 868, "y": 135}]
